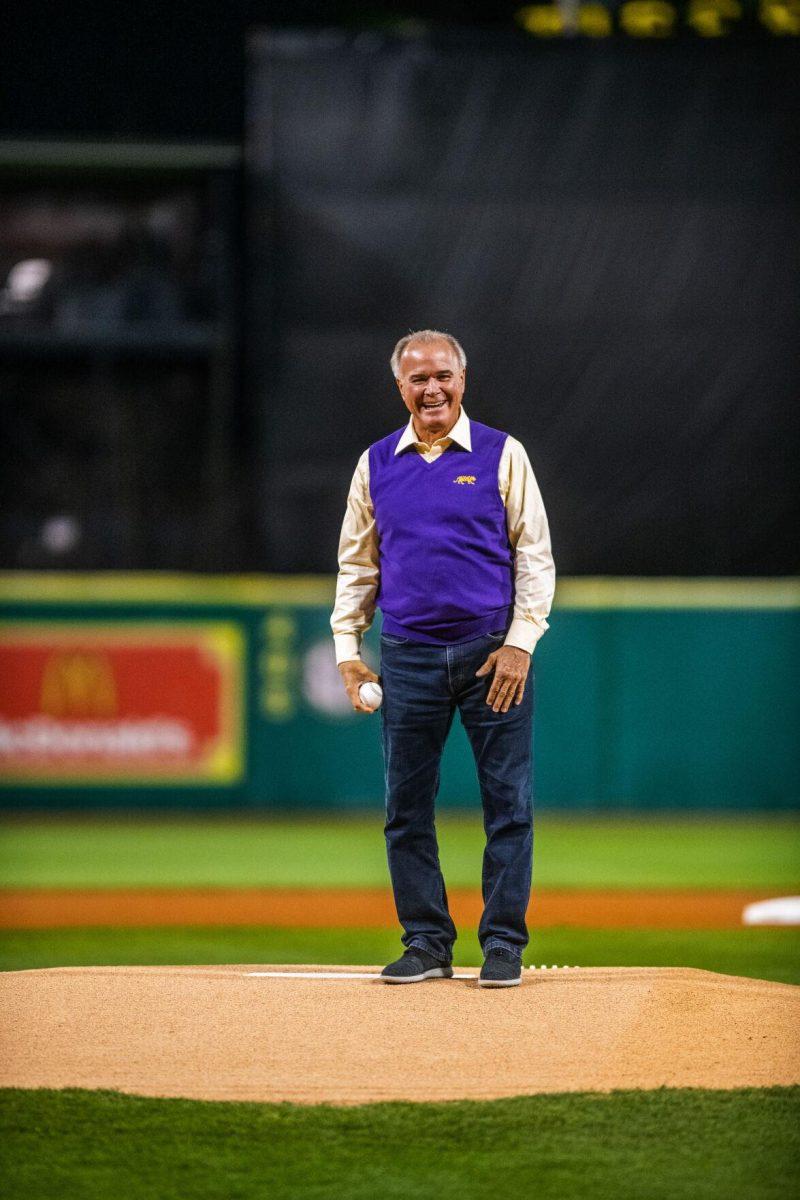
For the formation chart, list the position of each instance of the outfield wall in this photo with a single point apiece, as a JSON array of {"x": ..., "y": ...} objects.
[{"x": 195, "y": 692}]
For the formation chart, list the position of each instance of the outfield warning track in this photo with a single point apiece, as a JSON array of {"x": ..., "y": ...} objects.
[
  {"x": 339, "y": 1035},
  {"x": 665, "y": 908}
]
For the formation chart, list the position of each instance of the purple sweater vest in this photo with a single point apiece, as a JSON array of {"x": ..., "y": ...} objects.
[{"x": 446, "y": 564}]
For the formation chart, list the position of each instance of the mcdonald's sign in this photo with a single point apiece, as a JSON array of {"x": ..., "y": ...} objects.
[{"x": 129, "y": 702}]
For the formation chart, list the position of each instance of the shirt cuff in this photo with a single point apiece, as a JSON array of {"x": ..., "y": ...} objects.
[
  {"x": 524, "y": 634},
  {"x": 348, "y": 647}
]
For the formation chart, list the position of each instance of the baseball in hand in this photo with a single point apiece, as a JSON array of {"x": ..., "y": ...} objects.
[{"x": 371, "y": 695}]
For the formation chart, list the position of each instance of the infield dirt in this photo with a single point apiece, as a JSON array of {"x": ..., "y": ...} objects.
[
  {"x": 621, "y": 908},
  {"x": 338, "y": 1035}
]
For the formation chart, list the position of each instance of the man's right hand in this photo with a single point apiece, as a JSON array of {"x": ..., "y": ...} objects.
[{"x": 354, "y": 673}]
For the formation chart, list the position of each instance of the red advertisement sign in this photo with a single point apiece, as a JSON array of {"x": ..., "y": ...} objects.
[{"x": 129, "y": 702}]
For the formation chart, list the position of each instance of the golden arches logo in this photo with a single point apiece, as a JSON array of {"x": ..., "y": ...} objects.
[{"x": 78, "y": 684}]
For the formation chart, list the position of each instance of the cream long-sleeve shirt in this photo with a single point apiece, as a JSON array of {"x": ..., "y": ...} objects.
[{"x": 528, "y": 533}]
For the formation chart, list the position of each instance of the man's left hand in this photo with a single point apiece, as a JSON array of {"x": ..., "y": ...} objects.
[{"x": 510, "y": 666}]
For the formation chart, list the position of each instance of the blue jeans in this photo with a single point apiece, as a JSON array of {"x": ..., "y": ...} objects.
[{"x": 423, "y": 685}]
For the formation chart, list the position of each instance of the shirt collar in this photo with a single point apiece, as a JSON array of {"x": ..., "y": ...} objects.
[{"x": 459, "y": 433}]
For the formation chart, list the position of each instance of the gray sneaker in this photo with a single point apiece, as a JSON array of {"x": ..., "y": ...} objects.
[
  {"x": 501, "y": 968},
  {"x": 414, "y": 966}
]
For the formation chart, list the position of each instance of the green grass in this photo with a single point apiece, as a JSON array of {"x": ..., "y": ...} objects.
[
  {"x": 690, "y": 1144},
  {"x": 760, "y": 953},
  {"x": 735, "y": 852},
  {"x": 637, "y": 1145}
]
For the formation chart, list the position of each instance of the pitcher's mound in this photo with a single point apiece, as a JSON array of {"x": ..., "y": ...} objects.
[{"x": 339, "y": 1035}]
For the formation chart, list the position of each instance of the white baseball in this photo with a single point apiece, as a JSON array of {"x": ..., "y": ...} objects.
[{"x": 371, "y": 694}]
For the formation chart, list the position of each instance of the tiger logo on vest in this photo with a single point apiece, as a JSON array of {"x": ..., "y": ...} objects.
[{"x": 465, "y": 479}]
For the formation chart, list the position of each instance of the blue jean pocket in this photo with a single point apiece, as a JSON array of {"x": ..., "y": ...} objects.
[{"x": 394, "y": 641}]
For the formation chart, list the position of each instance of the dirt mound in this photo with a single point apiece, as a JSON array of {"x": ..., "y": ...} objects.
[{"x": 339, "y": 1035}]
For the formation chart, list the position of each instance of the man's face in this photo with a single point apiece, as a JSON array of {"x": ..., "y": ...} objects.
[{"x": 431, "y": 382}]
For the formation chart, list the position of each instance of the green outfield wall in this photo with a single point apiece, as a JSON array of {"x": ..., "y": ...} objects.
[{"x": 149, "y": 690}]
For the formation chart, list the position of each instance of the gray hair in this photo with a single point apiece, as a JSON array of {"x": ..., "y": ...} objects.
[{"x": 425, "y": 336}]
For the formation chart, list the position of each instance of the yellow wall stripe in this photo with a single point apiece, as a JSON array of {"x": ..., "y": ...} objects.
[
  {"x": 632, "y": 592},
  {"x": 594, "y": 592},
  {"x": 153, "y": 587}
]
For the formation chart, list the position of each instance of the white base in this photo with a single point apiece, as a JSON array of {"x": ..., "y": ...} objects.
[{"x": 784, "y": 910}]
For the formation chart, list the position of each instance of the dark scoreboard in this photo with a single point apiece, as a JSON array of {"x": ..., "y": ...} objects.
[{"x": 661, "y": 18}]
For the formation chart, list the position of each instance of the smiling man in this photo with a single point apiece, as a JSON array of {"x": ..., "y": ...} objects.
[{"x": 446, "y": 533}]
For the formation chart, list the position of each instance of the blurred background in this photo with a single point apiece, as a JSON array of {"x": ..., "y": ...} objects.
[{"x": 215, "y": 222}]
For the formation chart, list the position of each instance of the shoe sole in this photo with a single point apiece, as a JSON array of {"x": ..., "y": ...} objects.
[
  {"x": 498, "y": 983},
  {"x": 434, "y": 973}
]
